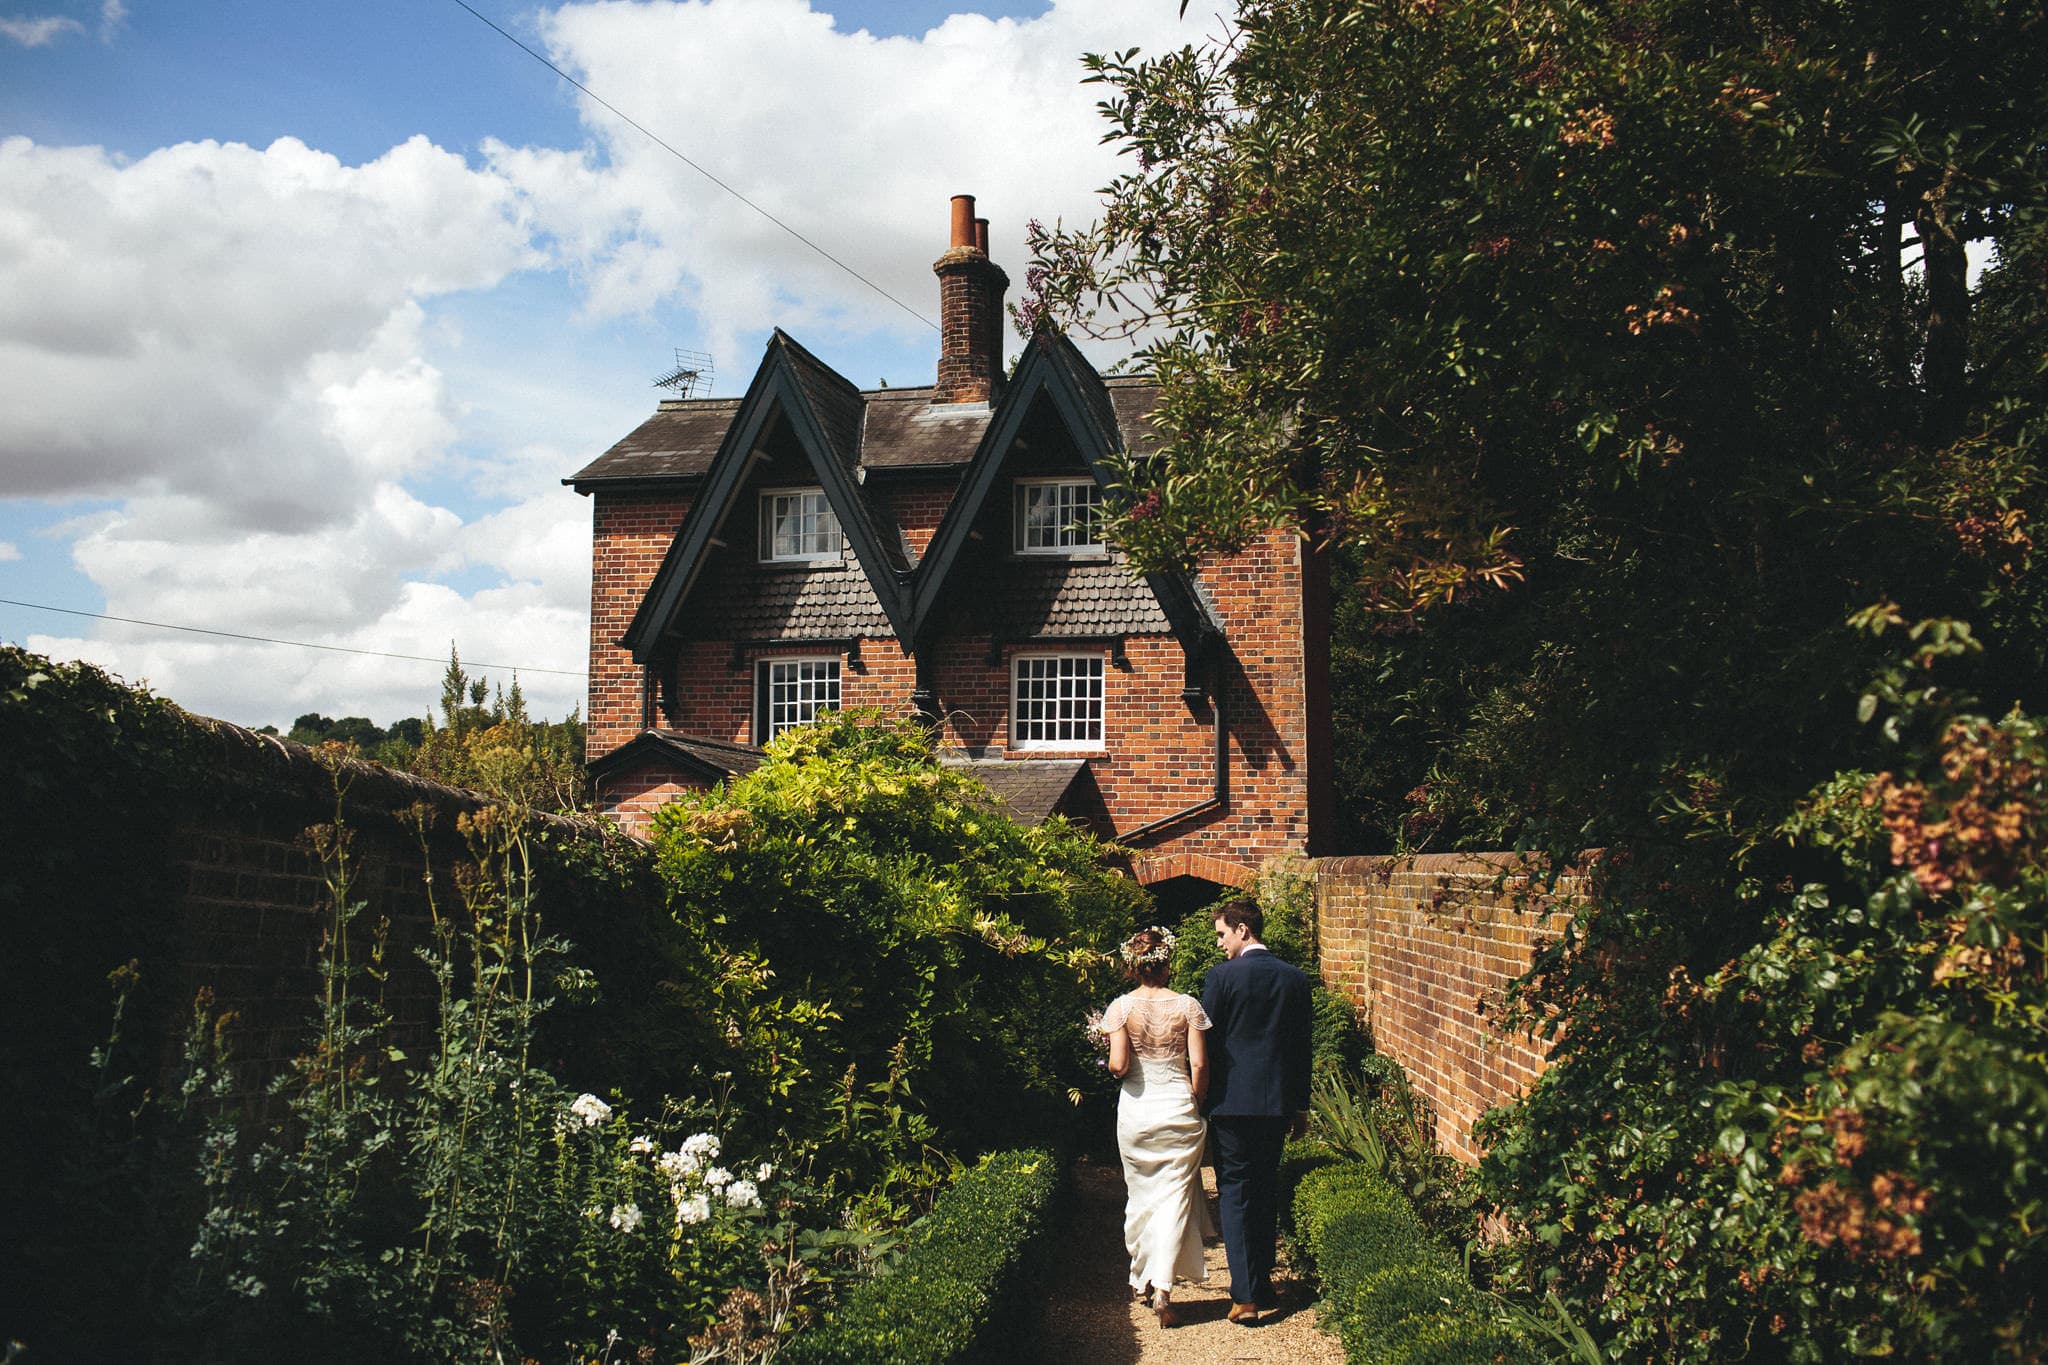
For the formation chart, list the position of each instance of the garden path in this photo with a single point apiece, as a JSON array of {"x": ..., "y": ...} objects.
[{"x": 1090, "y": 1318}]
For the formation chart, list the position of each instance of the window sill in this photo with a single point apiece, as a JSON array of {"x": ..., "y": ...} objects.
[{"x": 801, "y": 565}]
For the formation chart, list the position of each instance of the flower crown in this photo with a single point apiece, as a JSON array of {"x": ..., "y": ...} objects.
[{"x": 1161, "y": 951}]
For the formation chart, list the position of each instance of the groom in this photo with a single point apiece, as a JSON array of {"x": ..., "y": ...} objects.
[{"x": 1259, "y": 1015}]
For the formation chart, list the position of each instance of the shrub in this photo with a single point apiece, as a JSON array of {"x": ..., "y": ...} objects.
[
  {"x": 1391, "y": 1292},
  {"x": 870, "y": 946},
  {"x": 960, "y": 1263}
]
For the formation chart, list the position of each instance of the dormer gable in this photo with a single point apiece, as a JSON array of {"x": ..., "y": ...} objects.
[
  {"x": 797, "y": 403},
  {"x": 1054, "y": 386}
]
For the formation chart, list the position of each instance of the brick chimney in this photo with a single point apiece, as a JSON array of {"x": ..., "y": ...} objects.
[{"x": 970, "y": 312}]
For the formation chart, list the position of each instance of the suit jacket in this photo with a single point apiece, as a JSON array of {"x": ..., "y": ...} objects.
[{"x": 1259, "y": 1037}]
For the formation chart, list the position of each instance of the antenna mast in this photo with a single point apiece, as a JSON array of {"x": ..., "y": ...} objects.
[{"x": 691, "y": 376}]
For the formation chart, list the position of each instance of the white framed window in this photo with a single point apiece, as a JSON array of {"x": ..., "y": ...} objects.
[
  {"x": 798, "y": 525},
  {"x": 1058, "y": 516},
  {"x": 792, "y": 692},
  {"x": 1056, "y": 701}
]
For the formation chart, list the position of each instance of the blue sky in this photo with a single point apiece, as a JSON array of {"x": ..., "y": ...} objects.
[{"x": 311, "y": 307}]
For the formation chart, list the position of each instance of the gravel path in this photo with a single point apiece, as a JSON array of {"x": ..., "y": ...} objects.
[{"x": 1091, "y": 1319}]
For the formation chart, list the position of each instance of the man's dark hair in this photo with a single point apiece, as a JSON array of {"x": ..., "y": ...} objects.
[{"x": 1243, "y": 911}]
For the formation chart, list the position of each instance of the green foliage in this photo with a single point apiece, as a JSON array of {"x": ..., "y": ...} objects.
[
  {"x": 1626, "y": 352},
  {"x": 963, "y": 1264},
  {"x": 499, "y": 749},
  {"x": 91, "y": 805},
  {"x": 1837, "y": 1122},
  {"x": 465, "y": 1204},
  {"x": 890, "y": 964},
  {"x": 1389, "y": 1291}
]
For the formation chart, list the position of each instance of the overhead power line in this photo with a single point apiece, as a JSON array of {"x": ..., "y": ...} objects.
[
  {"x": 660, "y": 142},
  {"x": 296, "y": 644}
]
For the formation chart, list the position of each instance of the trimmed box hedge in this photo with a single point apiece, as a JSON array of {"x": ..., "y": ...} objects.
[
  {"x": 959, "y": 1263},
  {"x": 1391, "y": 1293}
]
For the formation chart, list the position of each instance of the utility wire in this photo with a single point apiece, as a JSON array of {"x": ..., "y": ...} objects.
[
  {"x": 658, "y": 141},
  {"x": 296, "y": 644}
]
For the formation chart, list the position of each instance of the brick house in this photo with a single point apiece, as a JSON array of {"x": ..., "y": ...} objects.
[{"x": 935, "y": 550}]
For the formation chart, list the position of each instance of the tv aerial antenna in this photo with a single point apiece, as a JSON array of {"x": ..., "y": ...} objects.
[{"x": 690, "y": 377}]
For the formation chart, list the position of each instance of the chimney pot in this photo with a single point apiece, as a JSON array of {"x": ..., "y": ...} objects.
[{"x": 970, "y": 312}]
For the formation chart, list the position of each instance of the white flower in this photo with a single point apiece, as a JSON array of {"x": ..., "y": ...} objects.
[
  {"x": 700, "y": 1148},
  {"x": 717, "y": 1176},
  {"x": 675, "y": 1166},
  {"x": 590, "y": 1110},
  {"x": 743, "y": 1195},
  {"x": 640, "y": 1146},
  {"x": 765, "y": 1172},
  {"x": 694, "y": 1209},
  {"x": 626, "y": 1217}
]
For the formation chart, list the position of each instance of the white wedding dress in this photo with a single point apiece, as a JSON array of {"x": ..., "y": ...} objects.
[{"x": 1159, "y": 1135}]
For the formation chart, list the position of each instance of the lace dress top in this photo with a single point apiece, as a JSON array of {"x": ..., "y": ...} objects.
[{"x": 1158, "y": 1025}]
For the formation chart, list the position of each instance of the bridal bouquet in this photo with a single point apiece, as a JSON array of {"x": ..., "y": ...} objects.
[{"x": 1091, "y": 1026}]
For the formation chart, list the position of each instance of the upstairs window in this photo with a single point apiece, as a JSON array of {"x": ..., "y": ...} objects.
[
  {"x": 798, "y": 525},
  {"x": 1056, "y": 701},
  {"x": 789, "y": 692},
  {"x": 1058, "y": 516}
]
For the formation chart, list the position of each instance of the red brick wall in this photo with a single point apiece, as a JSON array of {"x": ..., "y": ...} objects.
[
  {"x": 1160, "y": 754},
  {"x": 918, "y": 511},
  {"x": 1425, "y": 947},
  {"x": 630, "y": 532}
]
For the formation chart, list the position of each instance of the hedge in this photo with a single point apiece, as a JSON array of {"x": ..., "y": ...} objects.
[
  {"x": 960, "y": 1263},
  {"x": 1392, "y": 1294}
]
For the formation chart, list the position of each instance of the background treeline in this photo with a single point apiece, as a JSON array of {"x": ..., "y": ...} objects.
[{"x": 482, "y": 738}]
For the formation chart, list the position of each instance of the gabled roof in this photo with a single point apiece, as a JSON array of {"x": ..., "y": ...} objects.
[
  {"x": 823, "y": 412},
  {"x": 1053, "y": 371},
  {"x": 709, "y": 760},
  {"x": 1028, "y": 790}
]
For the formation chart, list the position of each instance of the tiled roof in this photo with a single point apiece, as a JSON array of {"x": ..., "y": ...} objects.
[
  {"x": 678, "y": 441},
  {"x": 704, "y": 758},
  {"x": 1027, "y": 789},
  {"x": 876, "y": 429},
  {"x": 905, "y": 430},
  {"x": 1071, "y": 597},
  {"x": 737, "y": 599}
]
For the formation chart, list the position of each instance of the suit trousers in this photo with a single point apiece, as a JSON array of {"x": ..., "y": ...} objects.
[{"x": 1247, "y": 1153}]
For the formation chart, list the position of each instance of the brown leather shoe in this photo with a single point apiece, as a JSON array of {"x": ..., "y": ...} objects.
[
  {"x": 1169, "y": 1316},
  {"x": 1246, "y": 1313}
]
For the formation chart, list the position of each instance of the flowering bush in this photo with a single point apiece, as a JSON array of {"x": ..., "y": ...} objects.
[
  {"x": 879, "y": 954},
  {"x": 465, "y": 1204}
]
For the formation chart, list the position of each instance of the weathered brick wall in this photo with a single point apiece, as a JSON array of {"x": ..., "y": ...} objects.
[
  {"x": 1160, "y": 758},
  {"x": 254, "y": 902},
  {"x": 1425, "y": 947},
  {"x": 630, "y": 532}
]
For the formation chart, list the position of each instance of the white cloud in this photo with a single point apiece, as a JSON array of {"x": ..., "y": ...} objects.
[
  {"x": 39, "y": 32},
  {"x": 855, "y": 141},
  {"x": 247, "y": 352},
  {"x": 9, "y": 551}
]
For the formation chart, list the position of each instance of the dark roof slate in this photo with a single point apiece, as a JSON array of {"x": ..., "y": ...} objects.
[
  {"x": 1027, "y": 789},
  {"x": 678, "y": 441},
  {"x": 736, "y": 599},
  {"x": 873, "y": 429},
  {"x": 705, "y": 759},
  {"x": 905, "y": 430},
  {"x": 1061, "y": 597}
]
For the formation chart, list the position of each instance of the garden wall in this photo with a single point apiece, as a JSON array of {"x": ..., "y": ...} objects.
[
  {"x": 1425, "y": 947},
  {"x": 249, "y": 901}
]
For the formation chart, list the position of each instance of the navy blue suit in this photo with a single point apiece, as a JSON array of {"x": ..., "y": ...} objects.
[{"x": 1259, "y": 1044}]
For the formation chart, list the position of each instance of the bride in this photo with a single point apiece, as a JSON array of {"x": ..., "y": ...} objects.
[{"x": 1156, "y": 1046}]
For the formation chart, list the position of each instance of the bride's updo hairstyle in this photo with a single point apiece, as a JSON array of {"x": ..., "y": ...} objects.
[{"x": 1148, "y": 956}]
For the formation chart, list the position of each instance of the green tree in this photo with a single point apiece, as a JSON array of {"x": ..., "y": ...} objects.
[{"x": 1619, "y": 354}]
